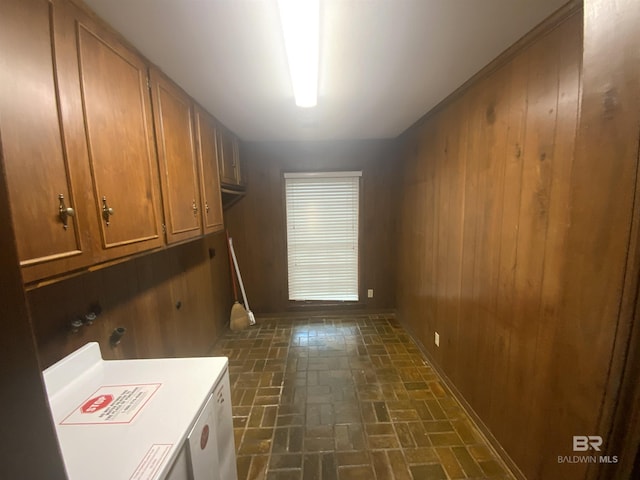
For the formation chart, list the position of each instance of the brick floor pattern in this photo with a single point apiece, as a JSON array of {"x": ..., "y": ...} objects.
[{"x": 346, "y": 397}]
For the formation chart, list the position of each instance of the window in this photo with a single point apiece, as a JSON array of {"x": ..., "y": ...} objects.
[{"x": 322, "y": 235}]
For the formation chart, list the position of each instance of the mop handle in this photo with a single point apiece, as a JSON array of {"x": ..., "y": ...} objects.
[
  {"x": 232, "y": 271},
  {"x": 235, "y": 263}
]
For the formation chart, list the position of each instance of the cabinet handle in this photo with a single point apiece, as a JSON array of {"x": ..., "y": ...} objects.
[
  {"x": 206, "y": 206},
  {"x": 107, "y": 211},
  {"x": 64, "y": 211},
  {"x": 194, "y": 207}
]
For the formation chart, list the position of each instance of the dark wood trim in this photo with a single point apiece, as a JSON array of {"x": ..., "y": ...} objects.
[
  {"x": 611, "y": 66},
  {"x": 565, "y": 12},
  {"x": 92, "y": 268},
  {"x": 620, "y": 414},
  {"x": 312, "y": 305}
]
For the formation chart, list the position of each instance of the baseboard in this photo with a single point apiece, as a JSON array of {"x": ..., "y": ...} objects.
[
  {"x": 498, "y": 450},
  {"x": 326, "y": 312}
]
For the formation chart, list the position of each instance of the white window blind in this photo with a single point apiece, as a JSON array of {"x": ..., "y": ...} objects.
[{"x": 322, "y": 235}]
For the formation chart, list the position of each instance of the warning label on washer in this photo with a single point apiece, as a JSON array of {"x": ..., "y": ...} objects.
[
  {"x": 151, "y": 463},
  {"x": 112, "y": 404}
]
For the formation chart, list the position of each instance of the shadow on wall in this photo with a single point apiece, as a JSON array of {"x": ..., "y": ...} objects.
[{"x": 172, "y": 303}]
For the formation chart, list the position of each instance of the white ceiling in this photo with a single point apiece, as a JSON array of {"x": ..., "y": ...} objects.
[{"x": 384, "y": 63}]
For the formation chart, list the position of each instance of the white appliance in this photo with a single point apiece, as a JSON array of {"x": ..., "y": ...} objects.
[{"x": 166, "y": 419}]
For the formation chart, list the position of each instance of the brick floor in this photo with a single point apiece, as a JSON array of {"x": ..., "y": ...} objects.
[{"x": 345, "y": 397}]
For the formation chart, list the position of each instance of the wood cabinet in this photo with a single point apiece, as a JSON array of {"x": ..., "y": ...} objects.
[
  {"x": 49, "y": 223},
  {"x": 230, "y": 172},
  {"x": 105, "y": 85},
  {"x": 77, "y": 139},
  {"x": 207, "y": 151},
  {"x": 89, "y": 180},
  {"x": 177, "y": 159}
]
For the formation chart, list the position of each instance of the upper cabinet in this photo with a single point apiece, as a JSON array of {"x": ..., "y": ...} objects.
[
  {"x": 173, "y": 117},
  {"x": 90, "y": 179},
  {"x": 40, "y": 162},
  {"x": 211, "y": 202},
  {"x": 105, "y": 99},
  {"x": 77, "y": 138},
  {"x": 230, "y": 172}
]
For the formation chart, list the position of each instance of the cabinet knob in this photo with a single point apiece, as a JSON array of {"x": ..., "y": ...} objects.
[
  {"x": 194, "y": 207},
  {"x": 64, "y": 212},
  {"x": 107, "y": 211},
  {"x": 206, "y": 206}
]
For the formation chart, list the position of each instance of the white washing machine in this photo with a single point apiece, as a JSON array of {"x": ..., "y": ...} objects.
[{"x": 166, "y": 419}]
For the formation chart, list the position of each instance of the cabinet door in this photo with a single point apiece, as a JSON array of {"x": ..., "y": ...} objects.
[
  {"x": 177, "y": 159},
  {"x": 51, "y": 238},
  {"x": 229, "y": 171},
  {"x": 209, "y": 176},
  {"x": 107, "y": 100}
]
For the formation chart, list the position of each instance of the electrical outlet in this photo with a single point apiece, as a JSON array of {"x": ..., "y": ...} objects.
[
  {"x": 437, "y": 340},
  {"x": 370, "y": 293}
]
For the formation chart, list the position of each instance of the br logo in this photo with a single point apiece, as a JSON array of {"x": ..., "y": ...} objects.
[{"x": 582, "y": 443}]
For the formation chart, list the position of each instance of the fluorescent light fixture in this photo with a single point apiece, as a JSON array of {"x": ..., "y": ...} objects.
[{"x": 300, "y": 20}]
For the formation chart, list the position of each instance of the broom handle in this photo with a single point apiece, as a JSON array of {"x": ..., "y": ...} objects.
[
  {"x": 235, "y": 262},
  {"x": 233, "y": 275}
]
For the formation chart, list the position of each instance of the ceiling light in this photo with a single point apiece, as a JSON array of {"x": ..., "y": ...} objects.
[{"x": 300, "y": 21}]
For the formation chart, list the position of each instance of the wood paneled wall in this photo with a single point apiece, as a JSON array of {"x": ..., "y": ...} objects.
[
  {"x": 516, "y": 237},
  {"x": 484, "y": 226},
  {"x": 258, "y": 222},
  {"x": 173, "y": 303}
]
